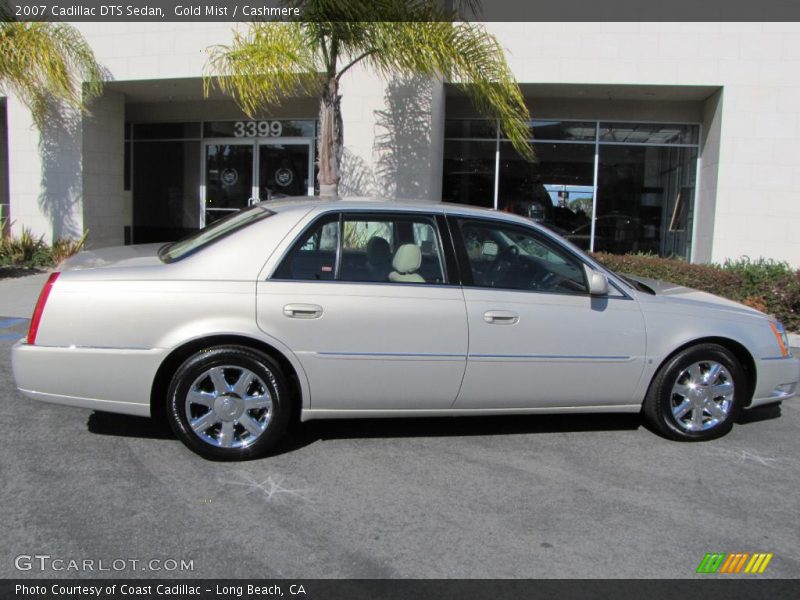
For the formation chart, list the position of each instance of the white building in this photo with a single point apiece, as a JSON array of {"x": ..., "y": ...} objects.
[{"x": 678, "y": 137}]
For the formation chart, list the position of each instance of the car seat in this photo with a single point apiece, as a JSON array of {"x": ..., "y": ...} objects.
[
  {"x": 406, "y": 262},
  {"x": 379, "y": 258}
]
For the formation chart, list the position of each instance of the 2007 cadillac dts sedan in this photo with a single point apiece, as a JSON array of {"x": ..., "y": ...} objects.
[{"x": 361, "y": 308}]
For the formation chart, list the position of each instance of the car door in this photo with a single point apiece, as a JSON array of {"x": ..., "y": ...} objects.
[
  {"x": 537, "y": 337},
  {"x": 365, "y": 302}
]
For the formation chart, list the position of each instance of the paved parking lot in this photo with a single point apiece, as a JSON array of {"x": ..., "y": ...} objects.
[{"x": 547, "y": 496}]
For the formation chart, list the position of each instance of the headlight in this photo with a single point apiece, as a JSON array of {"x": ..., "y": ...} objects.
[{"x": 780, "y": 334}]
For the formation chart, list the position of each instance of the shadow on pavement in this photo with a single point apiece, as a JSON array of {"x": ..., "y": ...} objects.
[
  {"x": 128, "y": 426},
  {"x": 762, "y": 413},
  {"x": 305, "y": 434}
]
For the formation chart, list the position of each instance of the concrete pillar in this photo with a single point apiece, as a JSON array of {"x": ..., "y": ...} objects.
[
  {"x": 45, "y": 182},
  {"x": 705, "y": 203},
  {"x": 103, "y": 153}
]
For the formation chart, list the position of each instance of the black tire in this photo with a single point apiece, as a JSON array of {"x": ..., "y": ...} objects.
[
  {"x": 661, "y": 398},
  {"x": 267, "y": 386}
]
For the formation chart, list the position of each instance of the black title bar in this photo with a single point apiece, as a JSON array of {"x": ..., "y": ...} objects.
[{"x": 493, "y": 10}]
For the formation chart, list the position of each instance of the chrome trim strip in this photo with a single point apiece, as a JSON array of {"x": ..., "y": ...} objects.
[
  {"x": 552, "y": 357},
  {"x": 513, "y": 356},
  {"x": 398, "y": 354},
  {"x": 776, "y": 357}
]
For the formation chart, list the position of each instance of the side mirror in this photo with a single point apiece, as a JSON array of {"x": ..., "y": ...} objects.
[{"x": 598, "y": 283}]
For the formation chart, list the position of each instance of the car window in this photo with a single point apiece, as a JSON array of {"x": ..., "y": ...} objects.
[
  {"x": 208, "y": 235},
  {"x": 391, "y": 248},
  {"x": 376, "y": 248},
  {"x": 313, "y": 255},
  {"x": 507, "y": 256}
]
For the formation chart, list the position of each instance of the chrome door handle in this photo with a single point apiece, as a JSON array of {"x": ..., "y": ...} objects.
[
  {"x": 500, "y": 317},
  {"x": 302, "y": 311}
]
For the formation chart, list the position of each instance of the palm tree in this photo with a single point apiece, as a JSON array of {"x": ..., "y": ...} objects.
[
  {"x": 271, "y": 61},
  {"x": 42, "y": 63}
]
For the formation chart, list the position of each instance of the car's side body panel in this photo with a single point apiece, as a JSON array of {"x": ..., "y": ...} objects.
[
  {"x": 381, "y": 346},
  {"x": 559, "y": 352}
]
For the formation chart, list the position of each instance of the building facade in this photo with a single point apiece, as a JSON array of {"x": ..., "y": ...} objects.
[{"x": 671, "y": 138}]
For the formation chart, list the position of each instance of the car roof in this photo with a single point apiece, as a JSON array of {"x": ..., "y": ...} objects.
[{"x": 304, "y": 203}]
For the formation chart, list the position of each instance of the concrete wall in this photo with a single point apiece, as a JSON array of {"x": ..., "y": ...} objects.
[{"x": 45, "y": 183}]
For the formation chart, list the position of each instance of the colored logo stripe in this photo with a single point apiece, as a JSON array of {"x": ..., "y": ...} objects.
[{"x": 719, "y": 562}]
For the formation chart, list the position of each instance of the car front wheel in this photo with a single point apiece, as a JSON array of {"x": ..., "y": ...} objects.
[
  {"x": 228, "y": 403},
  {"x": 697, "y": 394}
]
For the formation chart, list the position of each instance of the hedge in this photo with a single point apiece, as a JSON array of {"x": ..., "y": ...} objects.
[{"x": 770, "y": 286}]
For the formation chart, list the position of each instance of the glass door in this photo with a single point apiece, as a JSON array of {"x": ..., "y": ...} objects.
[
  {"x": 285, "y": 169},
  {"x": 229, "y": 170}
]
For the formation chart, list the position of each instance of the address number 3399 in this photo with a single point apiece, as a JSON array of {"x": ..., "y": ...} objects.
[{"x": 257, "y": 129}]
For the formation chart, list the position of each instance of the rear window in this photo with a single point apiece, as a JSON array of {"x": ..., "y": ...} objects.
[{"x": 208, "y": 235}]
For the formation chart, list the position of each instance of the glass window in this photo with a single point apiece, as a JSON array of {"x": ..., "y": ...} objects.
[
  {"x": 645, "y": 199},
  {"x": 469, "y": 172},
  {"x": 511, "y": 257},
  {"x": 556, "y": 190},
  {"x": 649, "y": 133},
  {"x": 378, "y": 248},
  {"x": 563, "y": 130},
  {"x": 166, "y": 184},
  {"x": 166, "y": 131},
  {"x": 212, "y": 233},
  {"x": 313, "y": 255},
  {"x": 399, "y": 249},
  {"x": 470, "y": 128}
]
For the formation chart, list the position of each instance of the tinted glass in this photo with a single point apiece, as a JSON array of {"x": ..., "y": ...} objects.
[
  {"x": 166, "y": 131},
  {"x": 313, "y": 255},
  {"x": 391, "y": 249},
  {"x": 510, "y": 257},
  {"x": 469, "y": 172},
  {"x": 166, "y": 183},
  {"x": 212, "y": 233},
  {"x": 649, "y": 133}
]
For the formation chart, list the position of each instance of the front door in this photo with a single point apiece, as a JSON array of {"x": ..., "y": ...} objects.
[
  {"x": 536, "y": 337},
  {"x": 239, "y": 172}
]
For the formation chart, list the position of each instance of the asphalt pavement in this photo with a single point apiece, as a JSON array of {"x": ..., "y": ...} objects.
[{"x": 501, "y": 497}]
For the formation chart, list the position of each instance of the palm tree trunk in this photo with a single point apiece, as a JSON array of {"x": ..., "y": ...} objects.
[{"x": 331, "y": 138}]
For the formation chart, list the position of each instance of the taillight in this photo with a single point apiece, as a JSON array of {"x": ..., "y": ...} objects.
[{"x": 37, "y": 312}]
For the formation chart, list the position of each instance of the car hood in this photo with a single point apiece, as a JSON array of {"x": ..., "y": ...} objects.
[
  {"x": 141, "y": 255},
  {"x": 688, "y": 296}
]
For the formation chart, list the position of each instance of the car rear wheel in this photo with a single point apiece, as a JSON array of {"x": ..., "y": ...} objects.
[
  {"x": 228, "y": 403},
  {"x": 697, "y": 394}
]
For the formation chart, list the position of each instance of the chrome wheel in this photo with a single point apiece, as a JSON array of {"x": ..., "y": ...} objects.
[
  {"x": 228, "y": 406},
  {"x": 702, "y": 396}
]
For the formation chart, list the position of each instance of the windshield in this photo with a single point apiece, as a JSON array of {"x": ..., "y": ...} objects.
[{"x": 208, "y": 235}]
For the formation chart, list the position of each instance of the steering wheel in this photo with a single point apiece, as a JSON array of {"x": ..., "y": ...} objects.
[{"x": 502, "y": 265}]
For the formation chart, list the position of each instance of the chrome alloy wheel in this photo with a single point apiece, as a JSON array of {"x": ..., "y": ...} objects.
[
  {"x": 228, "y": 406},
  {"x": 702, "y": 396}
]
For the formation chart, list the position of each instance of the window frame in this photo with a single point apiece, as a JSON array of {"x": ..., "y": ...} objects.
[{"x": 449, "y": 265}]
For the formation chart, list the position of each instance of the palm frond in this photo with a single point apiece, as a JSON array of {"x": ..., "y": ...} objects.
[
  {"x": 264, "y": 65},
  {"x": 42, "y": 62}
]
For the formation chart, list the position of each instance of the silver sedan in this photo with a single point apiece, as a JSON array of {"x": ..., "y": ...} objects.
[{"x": 310, "y": 309}]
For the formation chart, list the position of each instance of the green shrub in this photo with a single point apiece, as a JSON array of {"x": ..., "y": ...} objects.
[
  {"x": 29, "y": 251},
  {"x": 766, "y": 285}
]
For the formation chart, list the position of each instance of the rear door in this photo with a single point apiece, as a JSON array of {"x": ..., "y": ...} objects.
[
  {"x": 364, "y": 340},
  {"x": 537, "y": 338}
]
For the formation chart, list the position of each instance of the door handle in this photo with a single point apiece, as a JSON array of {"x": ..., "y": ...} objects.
[
  {"x": 302, "y": 311},
  {"x": 500, "y": 317}
]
